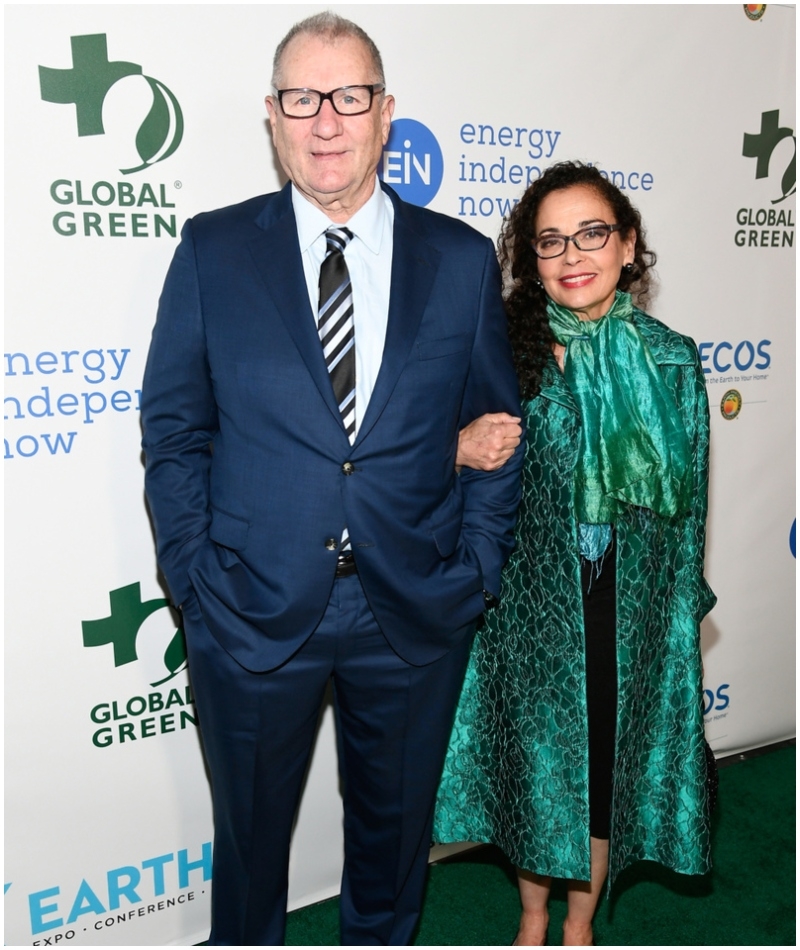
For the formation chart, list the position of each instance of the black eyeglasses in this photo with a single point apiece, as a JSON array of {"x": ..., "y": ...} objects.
[
  {"x": 587, "y": 239},
  {"x": 347, "y": 100}
]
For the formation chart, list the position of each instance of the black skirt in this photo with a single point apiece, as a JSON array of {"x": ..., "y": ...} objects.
[{"x": 600, "y": 625}]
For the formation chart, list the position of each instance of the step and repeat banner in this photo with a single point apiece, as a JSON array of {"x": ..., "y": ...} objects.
[{"x": 122, "y": 121}]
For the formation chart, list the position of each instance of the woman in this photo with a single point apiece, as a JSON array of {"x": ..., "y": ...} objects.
[{"x": 578, "y": 743}]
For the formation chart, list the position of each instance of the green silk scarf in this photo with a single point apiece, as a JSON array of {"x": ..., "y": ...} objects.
[{"x": 634, "y": 449}]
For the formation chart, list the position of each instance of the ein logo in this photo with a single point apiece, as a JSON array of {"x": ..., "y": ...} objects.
[{"x": 412, "y": 162}]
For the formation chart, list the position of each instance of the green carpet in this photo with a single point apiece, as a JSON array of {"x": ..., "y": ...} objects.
[{"x": 748, "y": 899}]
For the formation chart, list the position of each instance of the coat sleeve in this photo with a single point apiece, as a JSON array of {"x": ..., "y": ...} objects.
[
  {"x": 491, "y": 499},
  {"x": 693, "y": 406},
  {"x": 179, "y": 420}
]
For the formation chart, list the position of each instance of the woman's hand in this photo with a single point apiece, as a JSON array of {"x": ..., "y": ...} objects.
[{"x": 489, "y": 442}]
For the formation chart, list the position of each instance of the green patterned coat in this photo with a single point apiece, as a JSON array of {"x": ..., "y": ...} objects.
[{"x": 516, "y": 772}]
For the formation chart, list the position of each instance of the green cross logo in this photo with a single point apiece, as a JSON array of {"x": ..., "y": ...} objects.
[
  {"x": 120, "y": 629},
  {"x": 86, "y": 85},
  {"x": 761, "y": 147}
]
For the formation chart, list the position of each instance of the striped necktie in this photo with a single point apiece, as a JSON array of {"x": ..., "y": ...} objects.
[
  {"x": 337, "y": 333},
  {"x": 336, "y": 328}
]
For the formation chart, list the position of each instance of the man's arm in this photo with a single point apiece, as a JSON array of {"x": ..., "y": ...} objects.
[
  {"x": 489, "y": 442},
  {"x": 491, "y": 498},
  {"x": 179, "y": 418}
]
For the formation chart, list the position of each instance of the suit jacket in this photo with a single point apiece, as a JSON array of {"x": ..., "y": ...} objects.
[{"x": 250, "y": 476}]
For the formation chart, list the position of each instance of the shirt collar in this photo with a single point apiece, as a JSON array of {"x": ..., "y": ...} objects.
[{"x": 367, "y": 224}]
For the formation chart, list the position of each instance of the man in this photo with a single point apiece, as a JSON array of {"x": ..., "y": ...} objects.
[{"x": 302, "y": 482}]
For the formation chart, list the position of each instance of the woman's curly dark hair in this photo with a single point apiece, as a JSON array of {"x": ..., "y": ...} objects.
[{"x": 526, "y": 300}]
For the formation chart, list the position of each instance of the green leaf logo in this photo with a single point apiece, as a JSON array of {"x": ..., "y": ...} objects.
[
  {"x": 121, "y": 628},
  {"x": 762, "y": 144},
  {"x": 162, "y": 130},
  {"x": 174, "y": 656},
  {"x": 86, "y": 84}
]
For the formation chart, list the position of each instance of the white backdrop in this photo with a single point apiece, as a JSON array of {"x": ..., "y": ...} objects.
[{"x": 108, "y": 832}]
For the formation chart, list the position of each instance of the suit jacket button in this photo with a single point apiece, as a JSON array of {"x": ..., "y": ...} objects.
[
  {"x": 348, "y": 468},
  {"x": 331, "y": 544}
]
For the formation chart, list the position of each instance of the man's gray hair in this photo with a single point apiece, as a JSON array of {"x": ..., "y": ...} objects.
[{"x": 329, "y": 27}]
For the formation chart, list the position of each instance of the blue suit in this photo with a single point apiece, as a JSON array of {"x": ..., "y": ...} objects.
[{"x": 251, "y": 481}]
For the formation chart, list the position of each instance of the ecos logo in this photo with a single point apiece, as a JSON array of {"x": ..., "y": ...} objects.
[
  {"x": 762, "y": 146},
  {"x": 88, "y": 82},
  {"x": 716, "y": 701},
  {"x": 725, "y": 361},
  {"x": 412, "y": 162},
  {"x": 121, "y": 630}
]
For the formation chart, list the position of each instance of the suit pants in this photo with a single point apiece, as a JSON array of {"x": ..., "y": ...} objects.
[{"x": 393, "y": 723}]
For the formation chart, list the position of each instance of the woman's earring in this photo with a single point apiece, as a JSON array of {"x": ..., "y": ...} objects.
[
  {"x": 628, "y": 268},
  {"x": 538, "y": 282}
]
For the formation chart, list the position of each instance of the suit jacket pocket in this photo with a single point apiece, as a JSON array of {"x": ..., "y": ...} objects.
[
  {"x": 228, "y": 530},
  {"x": 433, "y": 349},
  {"x": 446, "y": 535}
]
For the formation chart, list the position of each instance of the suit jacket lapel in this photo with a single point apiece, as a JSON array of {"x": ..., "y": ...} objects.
[
  {"x": 414, "y": 267},
  {"x": 277, "y": 258}
]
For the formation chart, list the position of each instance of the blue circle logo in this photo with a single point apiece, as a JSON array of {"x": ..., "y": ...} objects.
[
  {"x": 412, "y": 162},
  {"x": 793, "y": 539}
]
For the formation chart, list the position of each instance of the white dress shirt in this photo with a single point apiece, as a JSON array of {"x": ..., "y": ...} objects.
[{"x": 369, "y": 261}]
